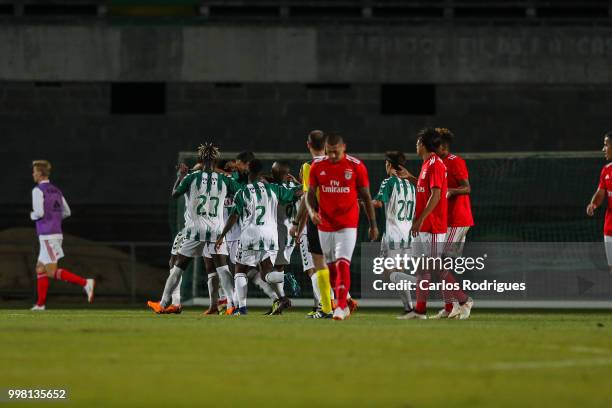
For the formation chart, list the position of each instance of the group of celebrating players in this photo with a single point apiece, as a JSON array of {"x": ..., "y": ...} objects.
[{"x": 245, "y": 225}]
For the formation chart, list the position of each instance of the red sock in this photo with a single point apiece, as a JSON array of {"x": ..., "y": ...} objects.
[
  {"x": 343, "y": 267},
  {"x": 42, "y": 285},
  {"x": 421, "y": 294},
  {"x": 452, "y": 295},
  {"x": 333, "y": 278},
  {"x": 67, "y": 276}
]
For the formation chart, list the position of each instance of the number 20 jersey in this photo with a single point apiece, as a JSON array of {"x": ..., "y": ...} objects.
[{"x": 205, "y": 193}]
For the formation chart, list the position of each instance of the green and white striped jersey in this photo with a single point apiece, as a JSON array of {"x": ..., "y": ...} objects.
[
  {"x": 285, "y": 215},
  {"x": 399, "y": 198},
  {"x": 205, "y": 193},
  {"x": 256, "y": 205}
]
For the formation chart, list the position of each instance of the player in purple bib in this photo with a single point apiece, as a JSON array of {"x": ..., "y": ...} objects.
[{"x": 49, "y": 208}]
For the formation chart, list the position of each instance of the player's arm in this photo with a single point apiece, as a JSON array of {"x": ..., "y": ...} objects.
[
  {"x": 432, "y": 202},
  {"x": 311, "y": 196},
  {"x": 180, "y": 187},
  {"x": 299, "y": 222},
  {"x": 596, "y": 201},
  {"x": 234, "y": 214},
  {"x": 38, "y": 208},
  {"x": 65, "y": 209},
  {"x": 464, "y": 188},
  {"x": 403, "y": 173},
  {"x": 383, "y": 194},
  {"x": 366, "y": 199}
]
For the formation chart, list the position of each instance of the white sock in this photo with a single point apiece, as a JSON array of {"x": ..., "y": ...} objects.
[
  {"x": 241, "y": 284},
  {"x": 397, "y": 277},
  {"x": 275, "y": 277},
  {"x": 176, "y": 294},
  {"x": 261, "y": 284},
  {"x": 315, "y": 288},
  {"x": 235, "y": 297},
  {"x": 173, "y": 279},
  {"x": 213, "y": 295},
  {"x": 226, "y": 282}
]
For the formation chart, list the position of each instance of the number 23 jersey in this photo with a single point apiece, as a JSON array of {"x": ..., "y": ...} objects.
[{"x": 205, "y": 193}]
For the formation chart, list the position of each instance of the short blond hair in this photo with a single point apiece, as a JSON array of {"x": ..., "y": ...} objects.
[{"x": 43, "y": 166}]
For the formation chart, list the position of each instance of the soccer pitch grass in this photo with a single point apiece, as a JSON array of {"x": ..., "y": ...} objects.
[{"x": 135, "y": 358}]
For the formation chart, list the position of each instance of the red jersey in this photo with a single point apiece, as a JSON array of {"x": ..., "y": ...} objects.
[
  {"x": 433, "y": 174},
  {"x": 459, "y": 207},
  {"x": 605, "y": 183},
  {"x": 338, "y": 183}
]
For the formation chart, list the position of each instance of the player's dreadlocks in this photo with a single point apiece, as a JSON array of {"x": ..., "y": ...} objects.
[{"x": 208, "y": 152}]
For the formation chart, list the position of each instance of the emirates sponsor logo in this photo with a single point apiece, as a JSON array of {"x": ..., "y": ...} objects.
[{"x": 335, "y": 187}]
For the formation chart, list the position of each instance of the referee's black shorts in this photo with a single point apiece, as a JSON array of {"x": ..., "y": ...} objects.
[{"x": 312, "y": 234}]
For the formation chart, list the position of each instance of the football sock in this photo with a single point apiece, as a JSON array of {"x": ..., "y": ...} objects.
[
  {"x": 176, "y": 293},
  {"x": 173, "y": 279},
  {"x": 343, "y": 270},
  {"x": 397, "y": 277},
  {"x": 451, "y": 296},
  {"x": 213, "y": 293},
  {"x": 324, "y": 289},
  {"x": 42, "y": 285},
  {"x": 241, "y": 284},
  {"x": 67, "y": 276},
  {"x": 275, "y": 277},
  {"x": 227, "y": 283},
  {"x": 421, "y": 294},
  {"x": 315, "y": 288},
  {"x": 263, "y": 285}
]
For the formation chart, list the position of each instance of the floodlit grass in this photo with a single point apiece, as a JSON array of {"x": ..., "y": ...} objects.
[{"x": 134, "y": 358}]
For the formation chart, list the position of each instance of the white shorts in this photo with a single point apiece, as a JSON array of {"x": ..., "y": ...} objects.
[
  {"x": 253, "y": 258},
  {"x": 428, "y": 244},
  {"x": 178, "y": 239},
  {"x": 307, "y": 262},
  {"x": 338, "y": 244},
  {"x": 284, "y": 257},
  {"x": 387, "y": 252},
  {"x": 191, "y": 248},
  {"x": 232, "y": 248},
  {"x": 209, "y": 250},
  {"x": 608, "y": 244},
  {"x": 455, "y": 239},
  {"x": 50, "y": 250}
]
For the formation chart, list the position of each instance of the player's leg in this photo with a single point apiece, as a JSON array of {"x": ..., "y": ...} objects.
[
  {"x": 457, "y": 302},
  {"x": 343, "y": 245},
  {"x": 226, "y": 279},
  {"x": 241, "y": 282},
  {"x": 608, "y": 248},
  {"x": 310, "y": 271},
  {"x": 189, "y": 249},
  {"x": 52, "y": 252},
  {"x": 398, "y": 276},
  {"x": 42, "y": 286},
  {"x": 232, "y": 249},
  {"x": 276, "y": 279},
  {"x": 321, "y": 270},
  {"x": 327, "y": 245},
  {"x": 212, "y": 282},
  {"x": 175, "y": 302},
  {"x": 422, "y": 247}
]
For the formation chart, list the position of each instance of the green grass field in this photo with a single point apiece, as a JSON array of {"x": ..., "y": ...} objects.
[{"x": 135, "y": 358}]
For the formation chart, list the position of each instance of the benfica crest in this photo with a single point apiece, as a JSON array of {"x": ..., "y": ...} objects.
[{"x": 348, "y": 174}]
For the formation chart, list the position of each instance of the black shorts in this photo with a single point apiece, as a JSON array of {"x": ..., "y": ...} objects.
[{"x": 312, "y": 233}]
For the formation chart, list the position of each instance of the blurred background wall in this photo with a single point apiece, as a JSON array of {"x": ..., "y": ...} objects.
[{"x": 110, "y": 91}]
